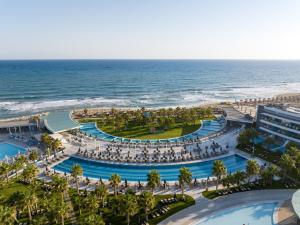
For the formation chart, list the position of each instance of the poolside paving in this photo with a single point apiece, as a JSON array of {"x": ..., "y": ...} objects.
[
  {"x": 204, "y": 207},
  {"x": 286, "y": 214}
]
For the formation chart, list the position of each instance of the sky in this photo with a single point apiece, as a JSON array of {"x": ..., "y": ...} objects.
[{"x": 150, "y": 29}]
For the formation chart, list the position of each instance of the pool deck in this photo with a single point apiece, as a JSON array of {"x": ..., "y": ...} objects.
[
  {"x": 205, "y": 207},
  {"x": 286, "y": 214}
]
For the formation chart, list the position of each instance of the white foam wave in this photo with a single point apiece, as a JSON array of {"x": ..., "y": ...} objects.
[{"x": 161, "y": 99}]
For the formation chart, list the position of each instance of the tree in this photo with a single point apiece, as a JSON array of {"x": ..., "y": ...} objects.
[
  {"x": 92, "y": 203},
  {"x": 129, "y": 206},
  {"x": 147, "y": 202},
  {"x": 153, "y": 179},
  {"x": 252, "y": 168},
  {"x": 76, "y": 171},
  {"x": 239, "y": 176},
  {"x": 33, "y": 155},
  {"x": 286, "y": 163},
  {"x": 61, "y": 185},
  {"x": 29, "y": 201},
  {"x": 101, "y": 192},
  {"x": 5, "y": 168},
  {"x": 219, "y": 170},
  {"x": 184, "y": 178},
  {"x": 93, "y": 219},
  {"x": 30, "y": 172},
  {"x": 63, "y": 211},
  {"x": 19, "y": 163},
  {"x": 8, "y": 215},
  {"x": 114, "y": 181},
  {"x": 55, "y": 145}
]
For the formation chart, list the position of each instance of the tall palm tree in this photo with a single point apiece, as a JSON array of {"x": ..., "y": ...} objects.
[
  {"x": 153, "y": 179},
  {"x": 92, "y": 203},
  {"x": 252, "y": 169},
  {"x": 286, "y": 163},
  {"x": 19, "y": 163},
  {"x": 8, "y": 215},
  {"x": 114, "y": 181},
  {"x": 30, "y": 172},
  {"x": 147, "y": 202},
  {"x": 184, "y": 178},
  {"x": 94, "y": 219},
  {"x": 55, "y": 145},
  {"x": 76, "y": 172},
  {"x": 5, "y": 168},
  {"x": 129, "y": 206},
  {"x": 33, "y": 155},
  {"x": 101, "y": 192},
  {"x": 63, "y": 211},
  {"x": 29, "y": 201},
  {"x": 219, "y": 170},
  {"x": 61, "y": 185},
  {"x": 239, "y": 176}
]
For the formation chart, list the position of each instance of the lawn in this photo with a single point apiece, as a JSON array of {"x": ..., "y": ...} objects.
[{"x": 144, "y": 132}]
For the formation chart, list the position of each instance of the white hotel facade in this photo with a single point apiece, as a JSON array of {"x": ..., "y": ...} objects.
[{"x": 280, "y": 122}]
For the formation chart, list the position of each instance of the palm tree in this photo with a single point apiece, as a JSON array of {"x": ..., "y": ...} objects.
[
  {"x": 252, "y": 168},
  {"x": 101, "y": 192},
  {"x": 129, "y": 206},
  {"x": 19, "y": 163},
  {"x": 8, "y": 215},
  {"x": 184, "y": 178},
  {"x": 76, "y": 171},
  {"x": 93, "y": 219},
  {"x": 92, "y": 203},
  {"x": 153, "y": 179},
  {"x": 147, "y": 202},
  {"x": 286, "y": 163},
  {"x": 61, "y": 185},
  {"x": 114, "y": 181},
  {"x": 29, "y": 201},
  {"x": 33, "y": 155},
  {"x": 56, "y": 144},
  {"x": 63, "y": 211},
  {"x": 219, "y": 170},
  {"x": 239, "y": 176},
  {"x": 5, "y": 168},
  {"x": 30, "y": 172}
]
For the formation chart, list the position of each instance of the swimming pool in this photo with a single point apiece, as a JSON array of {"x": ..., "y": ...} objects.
[
  {"x": 251, "y": 214},
  {"x": 208, "y": 127},
  {"x": 96, "y": 170},
  {"x": 9, "y": 150}
]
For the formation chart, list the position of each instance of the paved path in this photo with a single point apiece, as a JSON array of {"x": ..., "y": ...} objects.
[{"x": 205, "y": 207}]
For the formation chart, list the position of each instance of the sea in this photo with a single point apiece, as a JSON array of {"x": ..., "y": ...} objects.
[{"x": 34, "y": 86}]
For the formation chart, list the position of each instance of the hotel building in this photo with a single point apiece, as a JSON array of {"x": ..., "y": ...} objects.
[{"x": 279, "y": 121}]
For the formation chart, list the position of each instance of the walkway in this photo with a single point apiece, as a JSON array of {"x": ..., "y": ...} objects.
[{"x": 205, "y": 207}]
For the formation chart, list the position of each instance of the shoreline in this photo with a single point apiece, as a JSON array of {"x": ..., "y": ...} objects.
[{"x": 99, "y": 109}]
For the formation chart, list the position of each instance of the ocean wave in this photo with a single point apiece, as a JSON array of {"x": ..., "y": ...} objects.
[{"x": 158, "y": 99}]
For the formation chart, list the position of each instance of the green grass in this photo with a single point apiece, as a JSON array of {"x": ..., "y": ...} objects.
[
  {"x": 7, "y": 189},
  {"x": 143, "y": 132}
]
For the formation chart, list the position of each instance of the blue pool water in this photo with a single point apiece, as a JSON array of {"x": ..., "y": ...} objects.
[
  {"x": 255, "y": 214},
  {"x": 10, "y": 150},
  {"x": 208, "y": 127},
  {"x": 139, "y": 172}
]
